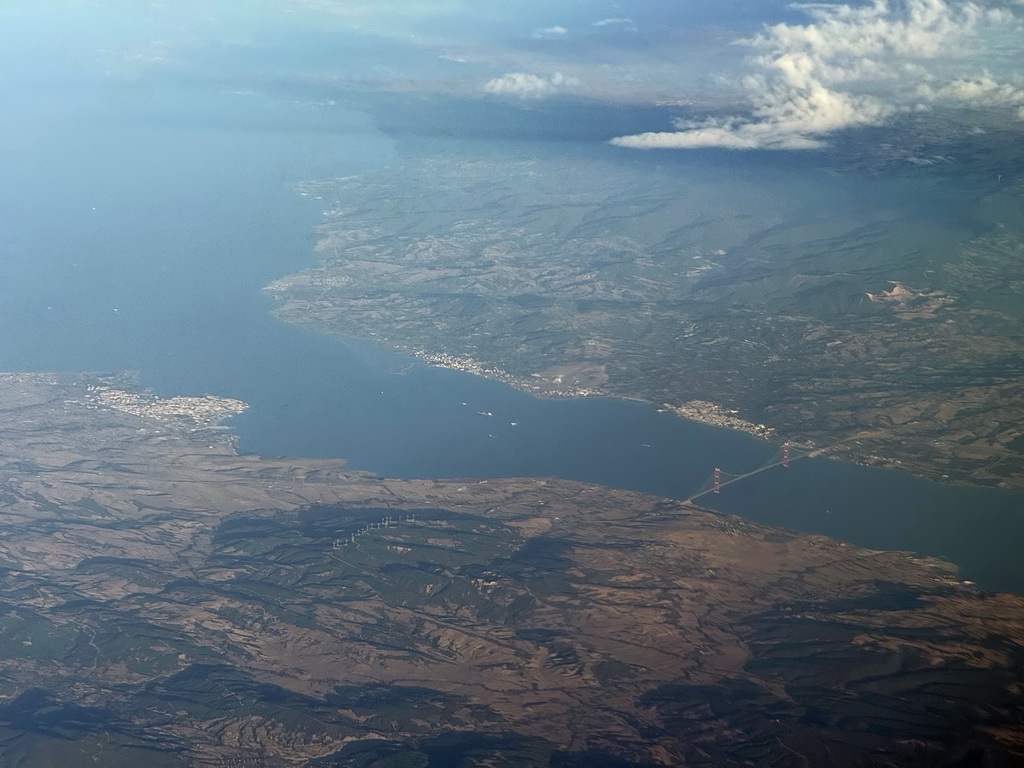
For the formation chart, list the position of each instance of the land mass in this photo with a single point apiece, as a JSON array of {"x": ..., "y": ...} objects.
[
  {"x": 168, "y": 602},
  {"x": 876, "y": 315}
]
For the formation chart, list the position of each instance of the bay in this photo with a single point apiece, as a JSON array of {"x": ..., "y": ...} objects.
[{"x": 138, "y": 232}]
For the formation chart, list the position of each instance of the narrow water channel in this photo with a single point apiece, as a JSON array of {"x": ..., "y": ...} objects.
[{"x": 143, "y": 241}]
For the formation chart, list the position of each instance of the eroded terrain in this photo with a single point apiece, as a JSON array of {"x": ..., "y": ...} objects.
[
  {"x": 871, "y": 317},
  {"x": 169, "y": 602}
]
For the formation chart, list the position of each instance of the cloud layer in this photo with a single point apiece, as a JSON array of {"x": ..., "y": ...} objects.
[{"x": 848, "y": 67}]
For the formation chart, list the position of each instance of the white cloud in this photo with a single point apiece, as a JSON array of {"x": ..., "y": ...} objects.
[
  {"x": 525, "y": 86},
  {"x": 708, "y": 136},
  {"x": 848, "y": 67},
  {"x": 550, "y": 33},
  {"x": 614, "y": 21},
  {"x": 982, "y": 90}
]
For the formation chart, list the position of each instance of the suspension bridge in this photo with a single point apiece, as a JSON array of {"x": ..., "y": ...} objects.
[{"x": 718, "y": 479}]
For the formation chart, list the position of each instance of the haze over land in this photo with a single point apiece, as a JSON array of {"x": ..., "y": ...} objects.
[{"x": 804, "y": 223}]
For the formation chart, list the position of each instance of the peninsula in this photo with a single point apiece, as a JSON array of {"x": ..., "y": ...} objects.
[
  {"x": 167, "y": 601},
  {"x": 891, "y": 338}
]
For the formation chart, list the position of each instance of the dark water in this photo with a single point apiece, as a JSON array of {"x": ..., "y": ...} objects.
[
  {"x": 416, "y": 426},
  {"x": 139, "y": 237}
]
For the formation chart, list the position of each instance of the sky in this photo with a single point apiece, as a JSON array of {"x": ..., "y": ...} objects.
[{"x": 741, "y": 75}]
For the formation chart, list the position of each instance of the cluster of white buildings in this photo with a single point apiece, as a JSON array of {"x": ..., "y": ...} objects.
[{"x": 204, "y": 411}]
